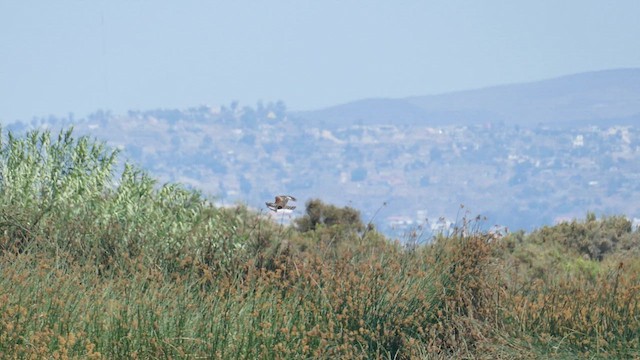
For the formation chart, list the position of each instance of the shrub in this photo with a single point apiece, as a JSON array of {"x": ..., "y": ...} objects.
[
  {"x": 61, "y": 197},
  {"x": 592, "y": 237},
  {"x": 318, "y": 214}
]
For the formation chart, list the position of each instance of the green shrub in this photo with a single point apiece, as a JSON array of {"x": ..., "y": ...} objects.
[
  {"x": 62, "y": 197},
  {"x": 592, "y": 237}
]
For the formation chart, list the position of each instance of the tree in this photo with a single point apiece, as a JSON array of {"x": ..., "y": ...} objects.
[{"x": 318, "y": 214}]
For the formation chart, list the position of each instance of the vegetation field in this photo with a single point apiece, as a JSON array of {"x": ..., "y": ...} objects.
[{"x": 99, "y": 261}]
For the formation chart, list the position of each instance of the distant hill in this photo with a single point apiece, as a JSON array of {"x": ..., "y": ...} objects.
[
  {"x": 444, "y": 154},
  {"x": 586, "y": 98}
]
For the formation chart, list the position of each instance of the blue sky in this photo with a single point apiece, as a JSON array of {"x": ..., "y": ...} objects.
[{"x": 64, "y": 56}]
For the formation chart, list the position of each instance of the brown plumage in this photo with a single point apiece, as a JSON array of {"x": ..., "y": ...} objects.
[{"x": 281, "y": 203}]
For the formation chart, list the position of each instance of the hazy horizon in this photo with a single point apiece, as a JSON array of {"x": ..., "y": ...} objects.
[{"x": 78, "y": 57}]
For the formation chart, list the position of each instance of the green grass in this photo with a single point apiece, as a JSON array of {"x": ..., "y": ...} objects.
[{"x": 298, "y": 310}]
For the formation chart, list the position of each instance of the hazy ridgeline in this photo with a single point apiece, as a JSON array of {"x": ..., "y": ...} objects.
[{"x": 100, "y": 261}]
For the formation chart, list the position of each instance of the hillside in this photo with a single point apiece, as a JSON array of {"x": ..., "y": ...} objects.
[
  {"x": 397, "y": 173},
  {"x": 579, "y": 99}
]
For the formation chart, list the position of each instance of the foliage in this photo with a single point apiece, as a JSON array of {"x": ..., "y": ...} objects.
[
  {"x": 594, "y": 238},
  {"x": 561, "y": 294},
  {"x": 320, "y": 214},
  {"x": 98, "y": 265},
  {"x": 61, "y": 196}
]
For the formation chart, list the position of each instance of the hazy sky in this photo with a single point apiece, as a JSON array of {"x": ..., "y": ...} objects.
[{"x": 66, "y": 56}]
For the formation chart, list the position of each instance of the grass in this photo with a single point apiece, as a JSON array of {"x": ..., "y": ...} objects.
[
  {"x": 307, "y": 309},
  {"x": 101, "y": 264}
]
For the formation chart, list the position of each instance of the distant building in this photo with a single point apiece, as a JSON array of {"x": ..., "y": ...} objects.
[{"x": 399, "y": 221}]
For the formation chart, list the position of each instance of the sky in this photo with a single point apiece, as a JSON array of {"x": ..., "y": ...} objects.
[{"x": 71, "y": 56}]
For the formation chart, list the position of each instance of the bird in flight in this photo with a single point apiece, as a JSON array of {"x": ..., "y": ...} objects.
[{"x": 281, "y": 203}]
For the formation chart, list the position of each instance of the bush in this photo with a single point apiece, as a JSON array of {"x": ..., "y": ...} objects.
[
  {"x": 61, "y": 197},
  {"x": 320, "y": 214},
  {"x": 592, "y": 237}
]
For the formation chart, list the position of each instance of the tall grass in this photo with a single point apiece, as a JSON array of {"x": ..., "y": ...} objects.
[
  {"x": 100, "y": 261},
  {"x": 588, "y": 307},
  {"x": 63, "y": 196},
  {"x": 350, "y": 307}
]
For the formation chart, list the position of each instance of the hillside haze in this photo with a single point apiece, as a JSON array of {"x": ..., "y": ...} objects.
[
  {"x": 523, "y": 155},
  {"x": 585, "y": 98}
]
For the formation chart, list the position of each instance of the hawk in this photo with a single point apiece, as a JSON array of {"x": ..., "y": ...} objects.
[{"x": 281, "y": 203}]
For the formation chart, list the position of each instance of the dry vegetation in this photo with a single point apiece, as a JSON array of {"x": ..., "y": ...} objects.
[{"x": 95, "y": 265}]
